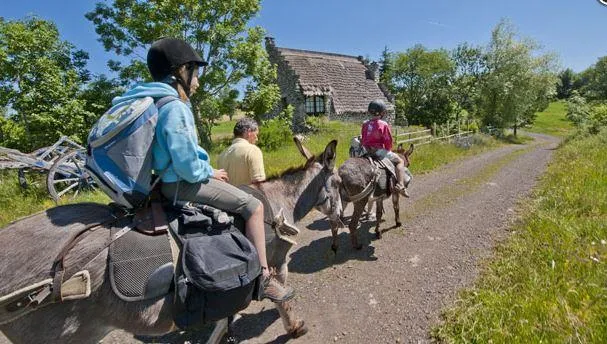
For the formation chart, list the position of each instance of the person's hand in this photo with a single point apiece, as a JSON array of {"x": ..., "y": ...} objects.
[
  {"x": 221, "y": 175},
  {"x": 265, "y": 272}
]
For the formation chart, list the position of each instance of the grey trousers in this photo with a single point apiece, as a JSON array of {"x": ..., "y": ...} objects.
[{"x": 215, "y": 193}]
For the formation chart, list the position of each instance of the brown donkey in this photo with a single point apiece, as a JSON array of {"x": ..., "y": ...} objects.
[
  {"x": 31, "y": 244},
  {"x": 362, "y": 182}
]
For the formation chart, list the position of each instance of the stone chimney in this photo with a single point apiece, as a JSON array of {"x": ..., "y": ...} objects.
[
  {"x": 270, "y": 44},
  {"x": 373, "y": 71}
]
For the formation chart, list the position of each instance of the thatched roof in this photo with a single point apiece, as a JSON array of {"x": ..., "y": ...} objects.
[{"x": 343, "y": 77}]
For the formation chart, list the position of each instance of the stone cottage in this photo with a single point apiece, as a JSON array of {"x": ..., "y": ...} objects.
[{"x": 318, "y": 83}]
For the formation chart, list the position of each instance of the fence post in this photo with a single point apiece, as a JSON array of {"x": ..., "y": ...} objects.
[{"x": 459, "y": 132}]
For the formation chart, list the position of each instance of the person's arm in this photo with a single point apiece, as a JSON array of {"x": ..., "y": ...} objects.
[
  {"x": 388, "y": 138},
  {"x": 190, "y": 161},
  {"x": 257, "y": 173},
  {"x": 363, "y": 134}
]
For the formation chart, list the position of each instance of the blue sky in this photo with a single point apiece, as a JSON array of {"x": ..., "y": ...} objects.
[{"x": 575, "y": 30}]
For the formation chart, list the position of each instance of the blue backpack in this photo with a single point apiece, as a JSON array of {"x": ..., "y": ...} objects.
[{"x": 119, "y": 151}]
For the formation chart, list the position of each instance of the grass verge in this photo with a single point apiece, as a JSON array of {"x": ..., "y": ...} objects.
[{"x": 547, "y": 283}]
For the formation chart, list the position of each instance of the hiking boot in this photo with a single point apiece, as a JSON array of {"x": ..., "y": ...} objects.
[
  {"x": 276, "y": 292},
  {"x": 401, "y": 190}
]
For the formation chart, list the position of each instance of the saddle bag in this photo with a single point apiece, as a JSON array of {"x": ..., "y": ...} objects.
[{"x": 218, "y": 273}]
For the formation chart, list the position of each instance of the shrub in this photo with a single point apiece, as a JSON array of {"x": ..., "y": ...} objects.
[
  {"x": 598, "y": 118},
  {"x": 473, "y": 126},
  {"x": 277, "y": 131},
  {"x": 578, "y": 110},
  {"x": 316, "y": 124}
]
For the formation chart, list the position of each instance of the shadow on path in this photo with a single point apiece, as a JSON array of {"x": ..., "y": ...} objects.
[
  {"x": 250, "y": 326},
  {"x": 318, "y": 255}
]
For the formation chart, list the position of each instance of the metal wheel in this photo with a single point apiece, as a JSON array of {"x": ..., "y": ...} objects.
[{"x": 67, "y": 177}]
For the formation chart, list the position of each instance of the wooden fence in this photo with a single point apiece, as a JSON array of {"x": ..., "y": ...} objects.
[{"x": 445, "y": 131}]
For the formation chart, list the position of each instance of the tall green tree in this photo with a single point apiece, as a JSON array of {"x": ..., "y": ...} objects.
[
  {"x": 386, "y": 69},
  {"x": 216, "y": 28},
  {"x": 421, "y": 80},
  {"x": 519, "y": 82},
  {"x": 565, "y": 84},
  {"x": 470, "y": 66},
  {"x": 97, "y": 96},
  {"x": 40, "y": 79},
  {"x": 595, "y": 81}
]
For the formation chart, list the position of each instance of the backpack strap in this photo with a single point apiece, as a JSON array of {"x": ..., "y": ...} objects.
[
  {"x": 164, "y": 101},
  {"x": 159, "y": 104}
]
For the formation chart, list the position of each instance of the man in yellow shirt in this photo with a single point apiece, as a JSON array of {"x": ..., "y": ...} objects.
[{"x": 243, "y": 160}]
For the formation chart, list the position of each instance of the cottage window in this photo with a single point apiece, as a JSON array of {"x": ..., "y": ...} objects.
[{"x": 315, "y": 105}]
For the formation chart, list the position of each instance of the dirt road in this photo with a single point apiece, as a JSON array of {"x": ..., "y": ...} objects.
[{"x": 393, "y": 289}]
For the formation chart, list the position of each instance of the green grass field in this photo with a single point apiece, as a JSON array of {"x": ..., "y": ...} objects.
[
  {"x": 552, "y": 121},
  {"x": 548, "y": 282},
  {"x": 223, "y": 130},
  {"x": 16, "y": 202}
]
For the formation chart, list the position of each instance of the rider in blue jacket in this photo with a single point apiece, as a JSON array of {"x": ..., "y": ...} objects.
[{"x": 187, "y": 174}]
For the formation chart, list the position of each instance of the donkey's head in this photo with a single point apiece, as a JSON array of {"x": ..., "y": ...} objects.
[
  {"x": 405, "y": 154},
  {"x": 322, "y": 190}
]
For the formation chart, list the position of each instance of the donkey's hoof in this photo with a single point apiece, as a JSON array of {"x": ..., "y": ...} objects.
[
  {"x": 299, "y": 330},
  {"x": 378, "y": 235},
  {"x": 398, "y": 224}
]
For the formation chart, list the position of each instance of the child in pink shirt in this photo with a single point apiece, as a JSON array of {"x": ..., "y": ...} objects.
[{"x": 377, "y": 139}]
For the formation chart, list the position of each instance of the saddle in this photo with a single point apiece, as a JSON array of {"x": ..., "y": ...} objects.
[
  {"x": 142, "y": 262},
  {"x": 385, "y": 170}
]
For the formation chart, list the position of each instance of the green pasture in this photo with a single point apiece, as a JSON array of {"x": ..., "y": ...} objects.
[
  {"x": 552, "y": 121},
  {"x": 547, "y": 282}
]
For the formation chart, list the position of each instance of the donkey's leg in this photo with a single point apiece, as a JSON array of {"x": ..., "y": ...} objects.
[
  {"x": 379, "y": 210},
  {"x": 282, "y": 272},
  {"x": 359, "y": 207},
  {"x": 395, "y": 198},
  {"x": 334, "y": 232},
  {"x": 371, "y": 210},
  {"x": 294, "y": 327}
]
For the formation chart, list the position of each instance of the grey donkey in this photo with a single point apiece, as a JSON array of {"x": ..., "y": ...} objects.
[
  {"x": 360, "y": 184},
  {"x": 31, "y": 244}
]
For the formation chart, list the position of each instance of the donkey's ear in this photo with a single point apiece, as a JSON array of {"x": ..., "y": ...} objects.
[
  {"x": 303, "y": 150},
  {"x": 410, "y": 150},
  {"x": 399, "y": 148},
  {"x": 329, "y": 155}
]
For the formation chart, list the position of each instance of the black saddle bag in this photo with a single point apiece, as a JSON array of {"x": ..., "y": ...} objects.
[{"x": 218, "y": 273}]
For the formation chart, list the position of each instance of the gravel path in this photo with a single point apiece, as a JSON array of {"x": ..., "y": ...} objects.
[{"x": 393, "y": 289}]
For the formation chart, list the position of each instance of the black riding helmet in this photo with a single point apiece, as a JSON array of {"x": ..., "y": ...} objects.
[
  {"x": 167, "y": 54},
  {"x": 377, "y": 106}
]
